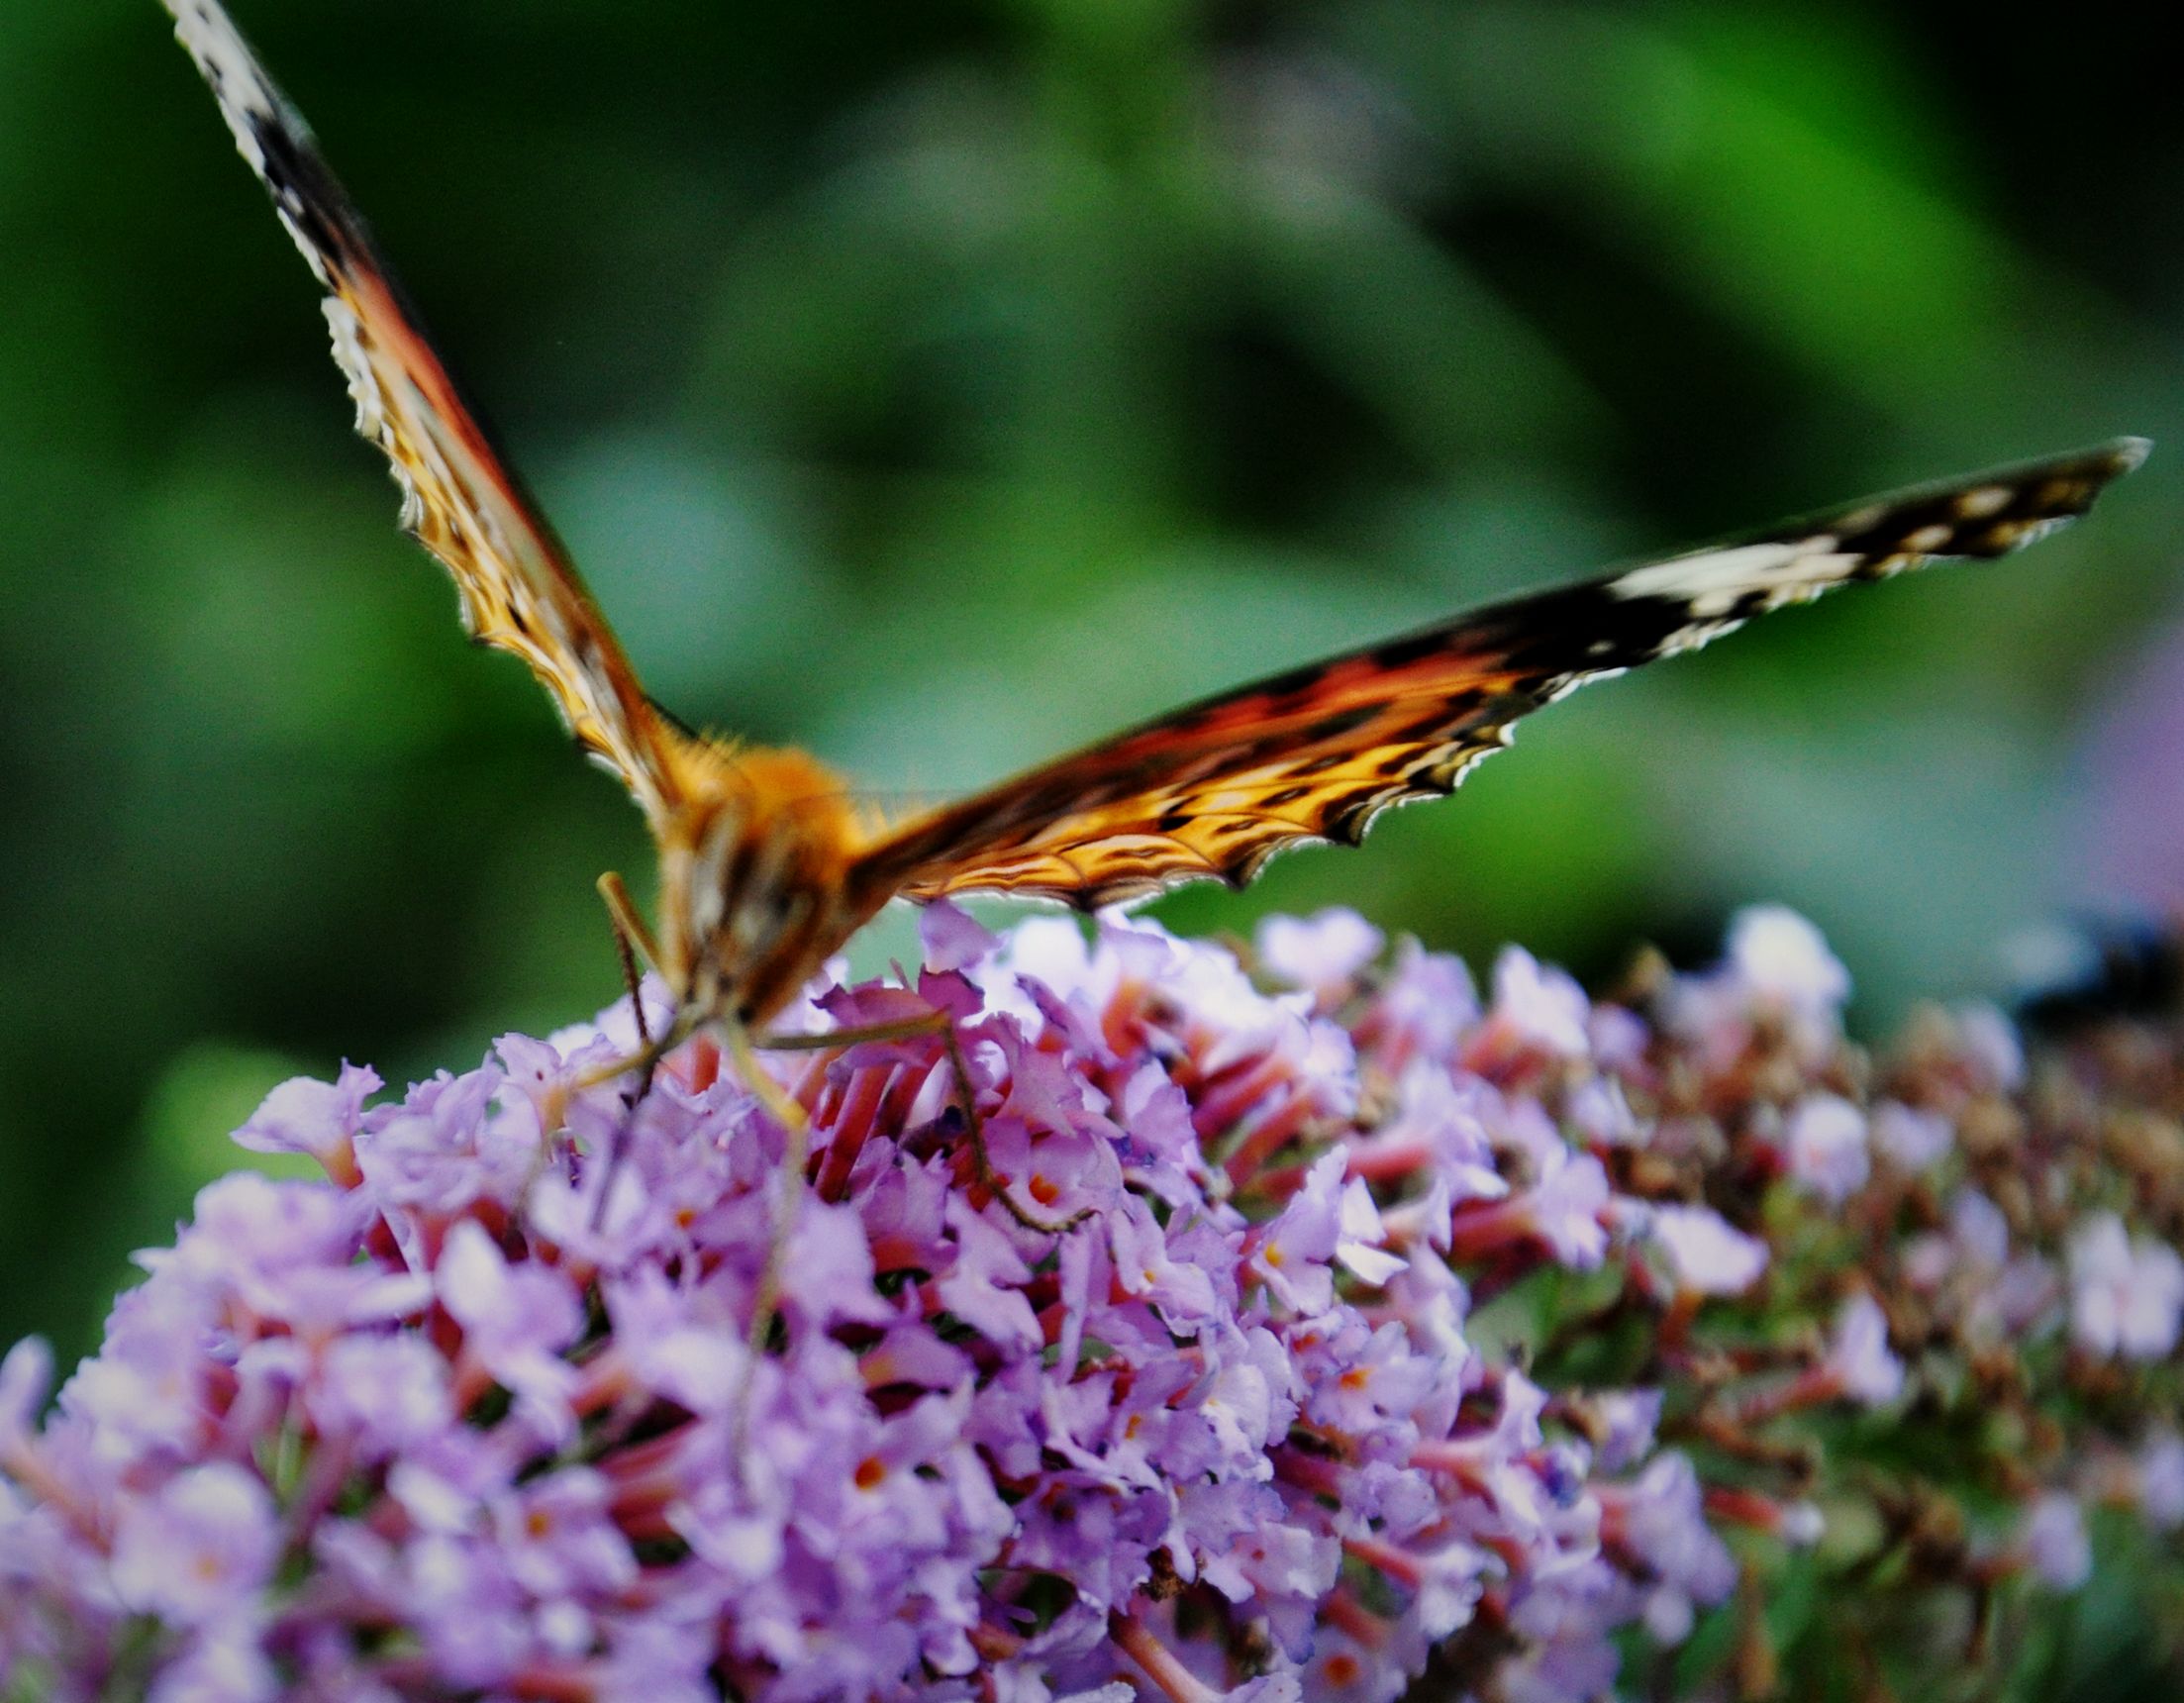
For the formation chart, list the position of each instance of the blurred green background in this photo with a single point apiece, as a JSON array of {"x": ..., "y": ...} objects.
[{"x": 937, "y": 385}]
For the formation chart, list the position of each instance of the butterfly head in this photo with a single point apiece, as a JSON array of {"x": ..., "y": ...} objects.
[{"x": 754, "y": 868}]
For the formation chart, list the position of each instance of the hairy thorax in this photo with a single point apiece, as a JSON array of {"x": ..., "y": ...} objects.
[{"x": 756, "y": 863}]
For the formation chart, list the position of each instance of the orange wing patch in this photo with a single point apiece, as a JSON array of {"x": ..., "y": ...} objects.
[
  {"x": 460, "y": 499},
  {"x": 1216, "y": 789}
]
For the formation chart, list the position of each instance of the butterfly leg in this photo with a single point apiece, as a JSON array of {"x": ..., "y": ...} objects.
[
  {"x": 628, "y": 930},
  {"x": 630, "y": 939},
  {"x": 942, "y": 1024},
  {"x": 795, "y": 1129}
]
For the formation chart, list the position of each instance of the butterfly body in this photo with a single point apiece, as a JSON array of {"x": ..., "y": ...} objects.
[
  {"x": 767, "y": 866},
  {"x": 757, "y": 853}
]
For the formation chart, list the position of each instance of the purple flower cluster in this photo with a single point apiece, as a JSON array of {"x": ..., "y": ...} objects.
[{"x": 1287, "y": 1327}]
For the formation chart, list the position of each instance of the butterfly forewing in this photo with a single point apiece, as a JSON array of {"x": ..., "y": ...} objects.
[
  {"x": 1216, "y": 788},
  {"x": 460, "y": 499},
  {"x": 764, "y": 867}
]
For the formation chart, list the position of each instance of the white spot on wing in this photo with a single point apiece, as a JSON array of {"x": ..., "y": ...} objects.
[
  {"x": 1696, "y": 636},
  {"x": 210, "y": 39},
  {"x": 1711, "y": 582},
  {"x": 247, "y": 101}
]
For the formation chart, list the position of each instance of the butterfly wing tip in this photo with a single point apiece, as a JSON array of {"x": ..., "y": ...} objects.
[
  {"x": 213, "y": 41},
  {"x": 2128, "y": 455},
  {"x": 2102, "y": 463}
]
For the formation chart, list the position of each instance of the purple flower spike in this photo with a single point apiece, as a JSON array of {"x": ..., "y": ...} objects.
[{"x": 1280, "y": 1333}]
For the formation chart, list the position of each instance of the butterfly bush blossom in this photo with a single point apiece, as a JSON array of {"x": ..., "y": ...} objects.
[{"x": 1300, "y": 1325}]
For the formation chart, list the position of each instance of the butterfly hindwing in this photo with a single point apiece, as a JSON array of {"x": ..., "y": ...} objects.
[
  {"x": 1215, "y": 790},
  {"x": 460, "y": 498}
]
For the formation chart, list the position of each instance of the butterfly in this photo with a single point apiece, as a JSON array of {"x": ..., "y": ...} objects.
[{"x": 766, "y": 867}]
